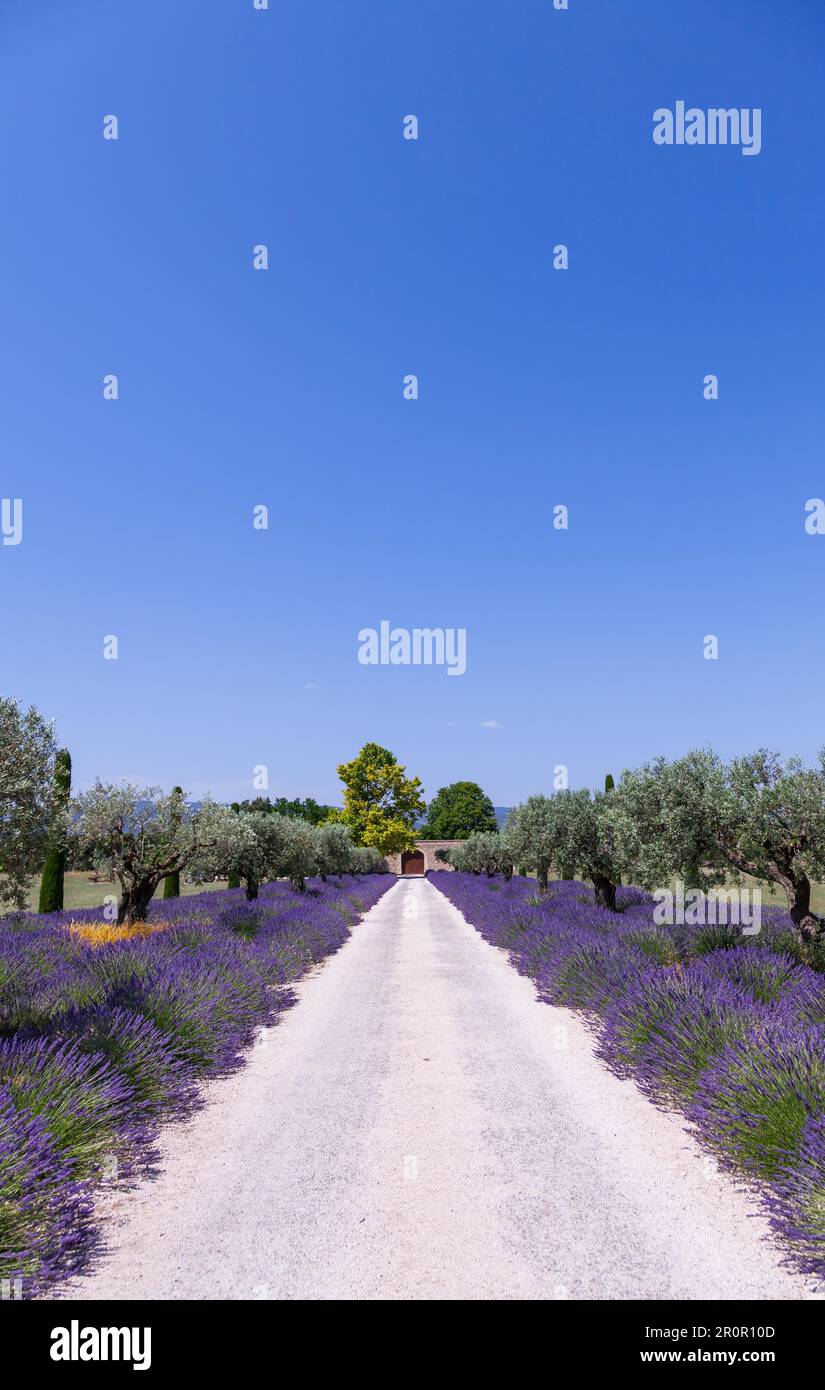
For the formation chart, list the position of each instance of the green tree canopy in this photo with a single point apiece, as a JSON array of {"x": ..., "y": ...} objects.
[
  {"x": 529, "y": 836},
  {"x": 334, "y": 849},
  {"x": 28, "y": 813},
  {"x": 572, "y": 831},
  {"x": 264, "y": 845},
  {"x": 708, "y": 820},
  {"x": 309, "y": 809},
  {"x": 381, "y": 804},
  {"x": 586, "y": 841},
  {"x": 485, "y": 852},
  {"x": 458, "y": 811},
  {"x": 140, "y": 835}
]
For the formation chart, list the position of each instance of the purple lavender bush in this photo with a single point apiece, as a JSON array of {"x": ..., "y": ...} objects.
[
  {"x": 45, "y": 1227},
  {"x": 797, "y": 1204},
  {"x": 728, "y": 1029},
  {"x": 753, "y": 1103},
  {"x": 101, "y": 1043},
  {"x": 138, "y": 1051},
  {"x": 84, "y": 1104}
]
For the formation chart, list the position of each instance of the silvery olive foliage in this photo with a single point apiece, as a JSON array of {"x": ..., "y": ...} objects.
[
  {"x": 571, "y": 832},
  {"x": 529, "y": 836},
  {"x": 140, "y": 834},
  {"x": 483, "y": 853},
  {"x": 585, "y": 842},
  {"x": 708, "y": 820},
  {"x": 27, "y": 812},
  {"x": 334, "y": 849},
  {"x": 296, "y": 857},
  {"x": 368, "y": 860},
  {"x": 265, "y": 845},
  {"x": 698, "y": 817},
  {"x": 268, "y": 846},
  {"x": 247, "y": 852}
]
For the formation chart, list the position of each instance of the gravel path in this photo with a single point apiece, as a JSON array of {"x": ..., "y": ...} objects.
[{"x": 419, "y": 1126}]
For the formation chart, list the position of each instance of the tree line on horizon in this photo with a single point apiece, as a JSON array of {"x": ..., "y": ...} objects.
[{"x": 701, "y": 818}]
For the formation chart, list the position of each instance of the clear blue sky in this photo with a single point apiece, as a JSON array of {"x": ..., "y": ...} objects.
[{"x": 538, "y": 387}]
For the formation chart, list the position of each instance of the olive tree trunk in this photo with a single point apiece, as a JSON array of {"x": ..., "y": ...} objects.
[
  {"x": 134, "y": 903},
  {"x": 605, "y": 890},
  {"x": 785, "y": 871},
  {"x": 798, "y": 892}
]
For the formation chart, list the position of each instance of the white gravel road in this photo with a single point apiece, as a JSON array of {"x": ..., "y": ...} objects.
[{"x": 419, "y": 1126}]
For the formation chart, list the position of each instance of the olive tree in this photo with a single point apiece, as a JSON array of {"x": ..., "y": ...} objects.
[
  {"x": 251, "y": 853},
  {"x": 366, "y": 859},
  {"x": 483, "y": 853},
  {"x": 586, "y": 842},
  {"x": 265, "y": 845},
  {"x": 333, "y": 849},
  {"x": 529, "y": 836},
  {"x": 293, "y": 849},
  {"x": 29, "y": 812},
  {"x": 709, "y": 821},
  {"x": 171, "y": 883},
  {"x": 457, "y": 856},
  {"x": 139, "y": 835}
]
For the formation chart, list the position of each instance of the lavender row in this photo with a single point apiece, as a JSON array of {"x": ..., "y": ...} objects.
[
  {"x": 99, "y": 1044},
  {"x": 726, "y": 1028}
]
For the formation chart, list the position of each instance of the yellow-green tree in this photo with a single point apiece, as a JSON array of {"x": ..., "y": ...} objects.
[{"x": 381, "y": 804}]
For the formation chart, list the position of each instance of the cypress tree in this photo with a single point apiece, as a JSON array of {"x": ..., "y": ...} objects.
[
  {"x": 51, "y": 882},
  {"x": 171, "y": 883}
]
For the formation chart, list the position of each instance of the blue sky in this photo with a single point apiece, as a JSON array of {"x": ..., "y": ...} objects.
[{"x": 537, "y": 387}]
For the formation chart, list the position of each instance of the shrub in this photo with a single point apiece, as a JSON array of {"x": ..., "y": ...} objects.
[
  {"x": 207, "y": 1009},
  {"x": 798, "y": 1205},
  {"x": 753, "y": 1103},
  {"x": 85, "y": 1106},
  {"x": 670, "y": 1027},
  {"x": 45, "y": 1228},
  {"x": 589, "y": 974},
  {"x": 653, "y": 943},
  {"x": 761, "y": 973},
  {"x": 701, "y": 941},
  {"x": 138, "y": 1052}
]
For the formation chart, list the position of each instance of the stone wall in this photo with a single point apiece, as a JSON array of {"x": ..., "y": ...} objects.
[{"x": 428, "y": 849}]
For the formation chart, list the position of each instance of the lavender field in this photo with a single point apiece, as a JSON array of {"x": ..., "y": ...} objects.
[
  {"x": 106, "y": 1033},
  {"x": 729, "y": 1030}
]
